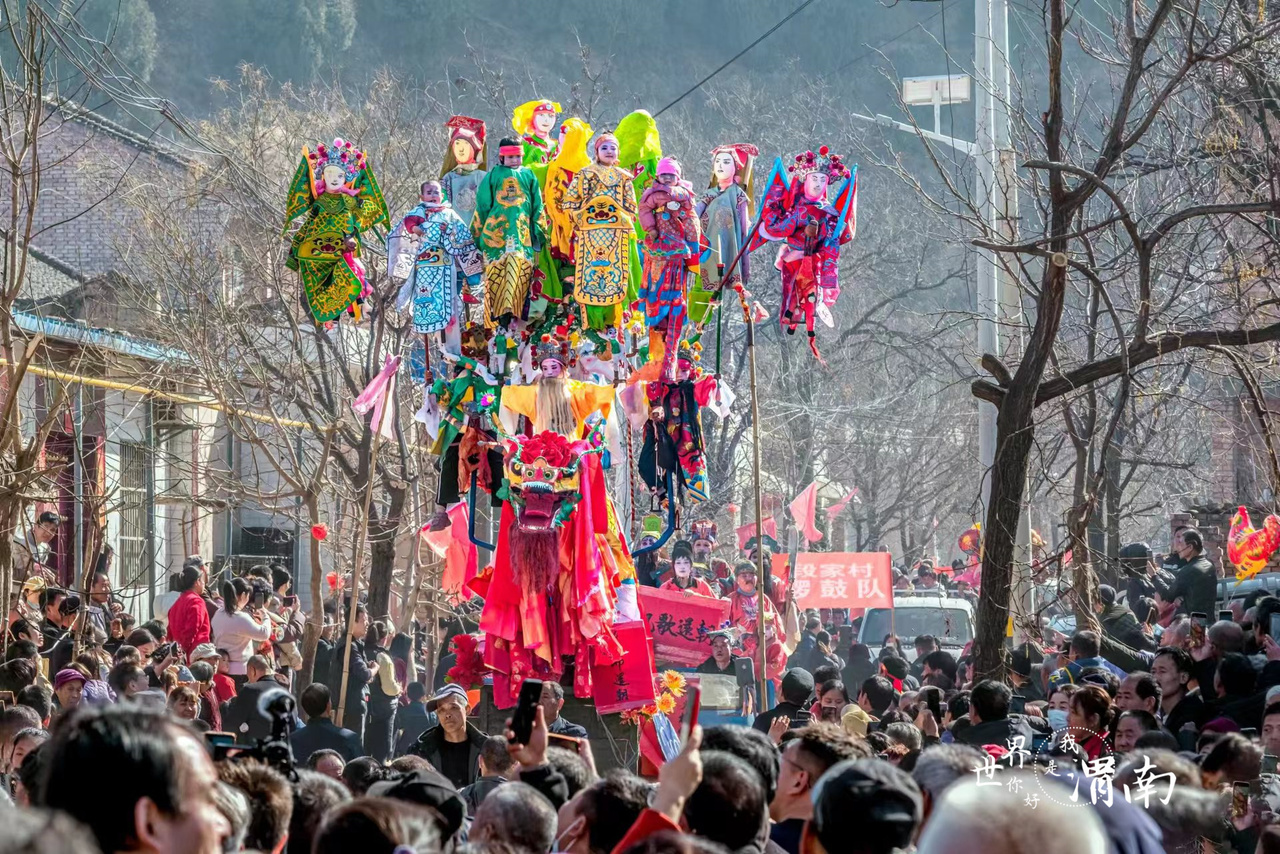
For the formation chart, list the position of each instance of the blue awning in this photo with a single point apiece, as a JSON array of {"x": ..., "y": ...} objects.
[{"x": 92, "y": 336}]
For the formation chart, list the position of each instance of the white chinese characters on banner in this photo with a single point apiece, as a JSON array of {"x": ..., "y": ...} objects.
[{"x": 843, "y": 580}]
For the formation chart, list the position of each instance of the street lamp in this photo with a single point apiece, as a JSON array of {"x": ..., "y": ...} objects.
[{"x": 937, "y": 90}]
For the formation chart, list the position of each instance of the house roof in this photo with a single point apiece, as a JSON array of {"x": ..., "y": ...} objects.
[
  {"x": 91, "y": 336},
  {"x": 159, "y": 146}
]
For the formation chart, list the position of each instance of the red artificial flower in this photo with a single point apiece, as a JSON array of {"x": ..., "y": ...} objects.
[
  {"x": 320, "y": 531},
  {"x": 553, "y": 447}
]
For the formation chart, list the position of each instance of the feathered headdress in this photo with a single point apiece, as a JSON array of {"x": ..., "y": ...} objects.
[{"x": 823, "y": 161}]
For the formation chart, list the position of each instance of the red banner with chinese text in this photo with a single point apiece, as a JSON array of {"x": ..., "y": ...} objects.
[
  {"x": 679, "y": 623},
  {"x": 628, "y": 682},
  {"x": 844, "y": 580}
]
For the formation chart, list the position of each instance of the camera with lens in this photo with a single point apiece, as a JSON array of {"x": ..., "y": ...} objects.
[{"x": 278, "y": 706}]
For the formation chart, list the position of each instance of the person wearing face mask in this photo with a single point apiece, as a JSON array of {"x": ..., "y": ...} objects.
[
  {"x": 682, "y": 576},
  {"x": 1059, "y": 708}
]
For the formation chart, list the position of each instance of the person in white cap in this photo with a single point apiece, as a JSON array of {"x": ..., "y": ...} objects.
[{"x": 454, "y": 746}]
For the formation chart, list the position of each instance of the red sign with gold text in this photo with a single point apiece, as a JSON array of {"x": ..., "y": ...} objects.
[
  {"x": 679, "y": 623},
  {"x": 844, "y": 580},
  {"x": 628, "y": 682}
]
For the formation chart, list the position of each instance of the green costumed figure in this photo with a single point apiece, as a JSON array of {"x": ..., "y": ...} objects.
[
  {"x": 534, "y": 121},
  {"x": 337, "y": 190},
  {"x": 602, "y": 201},
  {"x": 639, "y": 150},
  {"x": 458, "y": 412},
  {"x": 510, "y": 228}
]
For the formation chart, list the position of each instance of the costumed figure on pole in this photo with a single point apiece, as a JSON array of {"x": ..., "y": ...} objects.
[
  {"x": 813, "y": 215},
  {"x": 338, "y": 192},
  {"x": 683, "y": 578},
  {"x": 553, "y": 401},
  {"x": 562, "y": 575},
  {"x": 465, "y": 162},
  {"x": 724, "y": 211},
  {"x": 671, "y": 249},
  {"x": 510, "y": 228},
  {"x": 639, "y": 150},
  {"x": 744, "y": 611},
  {"x": 602, "y": 203},
  {"x": 460, "y": 414},
  {"x": 669, "y": 414},
  {"x": 534, "y": 121},
  {"x": 439, "y": 242},
  {"x": 571, "y": 158},
  {"x": 717, "y": 571}
]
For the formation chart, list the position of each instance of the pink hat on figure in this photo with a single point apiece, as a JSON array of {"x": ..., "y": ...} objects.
[{"x": 668, "y": 166}]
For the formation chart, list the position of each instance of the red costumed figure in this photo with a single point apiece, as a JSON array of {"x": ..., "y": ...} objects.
[
  {"x": 716, "y": 570},
  {"x": 744, "y": 610},
  {"x": 813, "y": 215},
  {"x": 671, "y": 250},
  {"x": 562, "y": 574}
]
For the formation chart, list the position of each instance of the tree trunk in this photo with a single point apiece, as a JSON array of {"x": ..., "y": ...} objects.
[
  {"x": 1015, "y": 431},
  {"x": 315, "y": 624},
  {"x": 382, "y": 554}
]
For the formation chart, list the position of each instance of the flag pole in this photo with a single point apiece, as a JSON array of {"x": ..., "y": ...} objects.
[{"x": 356, "y": 558}]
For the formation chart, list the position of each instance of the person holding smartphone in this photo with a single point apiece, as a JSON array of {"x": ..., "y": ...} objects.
[{"x": 237, "y": 630}]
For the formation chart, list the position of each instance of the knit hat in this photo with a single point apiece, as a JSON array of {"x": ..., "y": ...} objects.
[
  {"x": 68, "y": 675},
  {"x": 1107, "y": 594}
]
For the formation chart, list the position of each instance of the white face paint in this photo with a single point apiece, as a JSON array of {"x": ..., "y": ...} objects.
[
  {"x": 607, "y": 152},
  {"x": 552, "y": 367},
  {"x": 723, "y": 167},
  {"x": 683, "y": 567},
  {"x": 334, "y": 177},
  {"x": 815, "y": 186}
]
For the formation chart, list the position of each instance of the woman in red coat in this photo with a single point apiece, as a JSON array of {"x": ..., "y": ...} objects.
[{"x": 188, "y": 618}]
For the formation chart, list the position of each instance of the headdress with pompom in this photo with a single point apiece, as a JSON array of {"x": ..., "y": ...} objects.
[
  {"x": 340, "y": 153},
  {"x": 553, "y": 344},
  {"x": 823, "y": 161}
]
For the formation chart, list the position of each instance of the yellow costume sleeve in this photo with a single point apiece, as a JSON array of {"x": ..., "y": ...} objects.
[
  {"x": 589, "y": 398},
  {"x": 521, "y": 399}
]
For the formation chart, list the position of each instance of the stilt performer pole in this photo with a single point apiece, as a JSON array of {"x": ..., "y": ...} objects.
[
  {"x": 762, "y": 675},
  {"x": 380, "y": 415}
]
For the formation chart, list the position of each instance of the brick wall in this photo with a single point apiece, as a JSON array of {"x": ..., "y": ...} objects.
[{"x": 84, "y": 158}]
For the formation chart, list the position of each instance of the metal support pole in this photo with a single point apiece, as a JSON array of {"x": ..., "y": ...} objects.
[{"x": 987, "y": 289}]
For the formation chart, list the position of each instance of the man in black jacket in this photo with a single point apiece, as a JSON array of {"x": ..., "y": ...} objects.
[
  {"x": 991, "y": 723},
  {"x": 453, "y": 748},
  {"x": 797, "y": 689},
  {"x": 1172, "y": 668},
  {"x": 1196, "y": 582},
  {"x": 321, "y": 733},
  {"x": 1119, "y": 622},
  {"x": 242, "y": 714}
]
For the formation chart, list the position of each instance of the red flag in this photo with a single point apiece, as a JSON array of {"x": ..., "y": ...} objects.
[
  {"x": 746, "y": 532},
  {"x": 802, "y": 508},
  {"x": 459, "y": 553},
  {"x": 836, "y": 509}
]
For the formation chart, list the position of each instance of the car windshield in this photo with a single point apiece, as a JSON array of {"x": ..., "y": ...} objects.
[{"x": 951, "y": 625}]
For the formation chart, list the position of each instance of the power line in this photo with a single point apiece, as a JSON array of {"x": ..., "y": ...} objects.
[
  {"x": 885, "y": 44},
  {"x": 736, "y": 57}
]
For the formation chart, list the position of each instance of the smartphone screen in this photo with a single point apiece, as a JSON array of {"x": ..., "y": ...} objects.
[
  {"x": 1225, "y": 615},
  {"x": 745, "y": 669},
  {"x": 290, "y": 601},
  {"x": 1268, "y": 763},
  {"x": 1199, "y": 628},
  {"x": 526, "y": 708},
  {"x": 935, "y": 707},
  {"x": 692, "y": 705},
  {"x": 1239, "y": 800},
  {"x": 1017, "y": 704}
]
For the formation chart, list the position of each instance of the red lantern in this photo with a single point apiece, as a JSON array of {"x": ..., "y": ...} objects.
[{"x": 320, "y": 531}]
